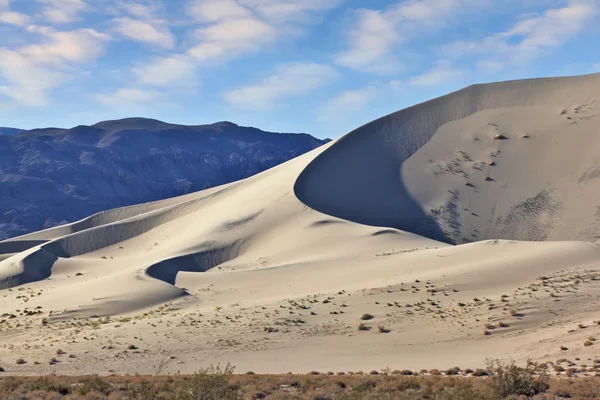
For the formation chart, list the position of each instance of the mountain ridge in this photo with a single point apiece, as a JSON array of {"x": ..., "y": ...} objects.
[{"x": 87, "y": 169}]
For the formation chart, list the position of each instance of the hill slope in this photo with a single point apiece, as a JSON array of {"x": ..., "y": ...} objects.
[
  {"x": 79, "y": 171},
  {"x": 9, "y": 131},
  {"x": 278, "y": 271}
]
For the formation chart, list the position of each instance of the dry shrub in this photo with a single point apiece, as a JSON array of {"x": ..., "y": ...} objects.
[
  {"x": 212, "y": 383},
  {"x": 363, "y": 327},
  {"x": 508, "y": 379}
]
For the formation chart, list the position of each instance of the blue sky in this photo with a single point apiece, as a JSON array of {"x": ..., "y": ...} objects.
[{"x": 323, "y": 67}]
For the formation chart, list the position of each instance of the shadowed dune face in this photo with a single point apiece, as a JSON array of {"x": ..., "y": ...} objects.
[
  {"x": 363, "y": 176},
  {"x": 167, "y": 270}
]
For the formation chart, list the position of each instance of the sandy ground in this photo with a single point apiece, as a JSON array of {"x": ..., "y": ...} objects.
[{"x": 464, "y": 227}]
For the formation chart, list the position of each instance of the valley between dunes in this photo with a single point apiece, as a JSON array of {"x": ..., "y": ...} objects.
[{"x": 465, "y": 226}]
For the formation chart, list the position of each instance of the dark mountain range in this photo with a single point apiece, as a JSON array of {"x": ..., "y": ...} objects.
[
  {"x": 52, "y": 176},
  {"x": 9, "y": 131}
]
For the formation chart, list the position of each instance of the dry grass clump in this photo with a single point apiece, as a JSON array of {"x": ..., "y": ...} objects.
[
  {"x": 513, "y": 313},
  {"x": 502, "y": 325},
  {"x": 383, "y": 329},
  {"x": 366, "y": 317},
  {"x": 20, "y": 361}
]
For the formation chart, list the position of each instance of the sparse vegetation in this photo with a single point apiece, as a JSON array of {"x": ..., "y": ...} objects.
[
  {"x": 508, "y": 379},
  {"x": 366, "y": 317}
]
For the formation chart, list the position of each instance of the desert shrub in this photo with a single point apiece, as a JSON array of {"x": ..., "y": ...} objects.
[
  {"x": 212, "y": 383},
  {"x": 508, "y": 379},
  {"x": 95, "y": 384},
  {"x": 366, "y": 317}
]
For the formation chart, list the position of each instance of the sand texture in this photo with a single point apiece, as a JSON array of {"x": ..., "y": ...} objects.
[{"x": 465, "y": 226}]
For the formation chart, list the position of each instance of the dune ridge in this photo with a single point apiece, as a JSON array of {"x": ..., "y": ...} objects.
[{"x": 283, "y": 264}]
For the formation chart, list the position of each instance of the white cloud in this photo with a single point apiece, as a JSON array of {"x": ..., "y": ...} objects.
[
  {"x": 151, "y": 32},
  {"x": 14, "y": 18},
  {"x": 376, "y": 35},
  {"x": 62, "y": 11},
  {"x": 167, "y": 72},
  {"x": 232, "y": 37},
  {"x": 4, "y": 4},
  {"x": 530, "y": 38},
  {"x": 371, "y": 41},
  {"x": 443, "y": 72},
  {"x": 284, "y": 11},
  {"x": 236, "y": 27},
  {"x": 347, "y": 102},
  {"x": 128, "y": 97},
  {"x": 61, "y": 48},
  {"x": 32, "y": 71},
  {"x": 28, "y": 82},
  {"x": 147, "y": 9},
  {"x": 287, "y": 80},
  {"x": 217, "y": 10}
]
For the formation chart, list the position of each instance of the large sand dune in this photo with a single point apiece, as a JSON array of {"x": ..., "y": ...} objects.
[{"x": 273, "y": 273}]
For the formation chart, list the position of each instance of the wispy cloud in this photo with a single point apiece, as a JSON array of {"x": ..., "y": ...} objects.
[
  {"x": 376, "y": 35},
  {"x": 171, "y": 71},
  {"x": 14, "y": 18},
  {"x": 528, "y": 39},
  {"x": 32, "y": 71},
  {"x": 442, "y": 73},
  {"x": 286, "y": 11},
  {"x": 217, "y": 10},
  {"x": 286, "y": 81},
  {"x": 126, "y": 97},
  {"x": 62, "y": 11},
  {"x": 347, "y": 102},
  {"x": 371, "y": 41},
  {"x": 237, "y": 27},
  {"x": 231, "y": 37},
  {"x": 150, "y": 32}
]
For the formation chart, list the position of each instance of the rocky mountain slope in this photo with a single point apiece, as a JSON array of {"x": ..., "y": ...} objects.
[{"x": 52, "y": 176}]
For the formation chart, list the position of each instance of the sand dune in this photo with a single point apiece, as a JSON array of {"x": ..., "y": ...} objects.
[{"x": 282, "y": 265}]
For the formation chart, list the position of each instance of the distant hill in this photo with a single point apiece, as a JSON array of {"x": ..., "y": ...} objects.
[
  {"x": 52, "y": 176},
  {"x": 9, "y": 131}
]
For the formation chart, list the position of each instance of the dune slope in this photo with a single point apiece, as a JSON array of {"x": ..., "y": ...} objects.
[{"x": 283, "y": 265}]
